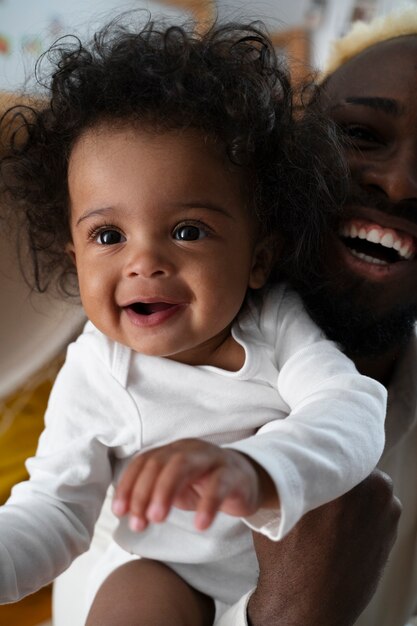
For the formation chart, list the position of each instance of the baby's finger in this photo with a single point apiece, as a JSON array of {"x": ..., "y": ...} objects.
[
  {"x": 142, "y": 493},
  {"x": 121, "y": 500},
  {"x": 180, "y": 471},
  {"x": 216, "y": 489}
]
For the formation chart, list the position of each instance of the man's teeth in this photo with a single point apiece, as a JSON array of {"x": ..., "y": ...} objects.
[
  {"x": 388, "y": 238},
  {"x": 369, "y": 259}
]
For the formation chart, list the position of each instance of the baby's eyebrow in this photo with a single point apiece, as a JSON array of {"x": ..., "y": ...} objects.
[
  {"x": 92, "y": 213},
  {"x": 210, "y": 206},
  {"x": 200, "y": 204}
]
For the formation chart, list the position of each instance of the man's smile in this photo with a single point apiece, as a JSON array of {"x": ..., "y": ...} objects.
[{"x": 375, "y": 243}]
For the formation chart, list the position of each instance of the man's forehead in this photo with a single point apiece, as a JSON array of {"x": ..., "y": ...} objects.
[{"x": 388, "y": 67}]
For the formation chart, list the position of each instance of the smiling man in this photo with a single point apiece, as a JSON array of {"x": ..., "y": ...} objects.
[
  {"x": 365, "y": 299},
  {"x": 368, "y": 299}
]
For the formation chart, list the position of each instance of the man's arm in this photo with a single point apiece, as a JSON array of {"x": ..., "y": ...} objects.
[{"x": 325, "y": 571}]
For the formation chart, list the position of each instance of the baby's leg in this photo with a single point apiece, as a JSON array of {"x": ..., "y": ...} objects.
[{"x": 148, "y": 593}]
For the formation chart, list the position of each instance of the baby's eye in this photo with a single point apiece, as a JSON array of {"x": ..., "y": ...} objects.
[
  {"x": 189, "y": 232},
  {"x": 109, "y": 237}
]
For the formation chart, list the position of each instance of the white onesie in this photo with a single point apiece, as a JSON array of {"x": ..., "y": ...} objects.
[{"x": 109, "y": 403}]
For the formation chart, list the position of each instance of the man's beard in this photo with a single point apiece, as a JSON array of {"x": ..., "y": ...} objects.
[
  {"x": 348, "y": 320},
  {"x": 344, "y": 307}
]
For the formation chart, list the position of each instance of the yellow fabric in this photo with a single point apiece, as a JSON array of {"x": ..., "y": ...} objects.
[{"x": 21, "y": 422}]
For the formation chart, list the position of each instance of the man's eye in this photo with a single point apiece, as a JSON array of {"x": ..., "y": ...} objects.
[
  {"x": 189, "y": 233},
  {"x": 109, "y": 237},
  {"x": 360, "y": 135}
]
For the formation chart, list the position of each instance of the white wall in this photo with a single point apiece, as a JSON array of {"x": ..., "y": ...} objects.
[
  {"x": 28, "y": 27},
  {"x": 336, "y": 17},
  {"x": 277, "y": 14}
]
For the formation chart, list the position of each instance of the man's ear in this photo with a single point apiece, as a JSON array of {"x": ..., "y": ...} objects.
[
  {"x": 266, "y": 253},
  {"x": 70, "y": 249}
]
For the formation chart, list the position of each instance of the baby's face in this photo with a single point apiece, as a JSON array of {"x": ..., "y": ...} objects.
[{"x": 164, "y": 245}]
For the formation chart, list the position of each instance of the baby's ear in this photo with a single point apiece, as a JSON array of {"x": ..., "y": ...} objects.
[
  {"x": 70, "y": 249},
  {"x": 266, "y": 252}
]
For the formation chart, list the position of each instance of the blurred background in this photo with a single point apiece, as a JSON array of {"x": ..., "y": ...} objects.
[
  {"x": 304, "y": 28},
  {"x": 33, "y": 330}
]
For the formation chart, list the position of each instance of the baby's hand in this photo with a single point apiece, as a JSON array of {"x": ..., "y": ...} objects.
[{"x": 189, "y": 474}]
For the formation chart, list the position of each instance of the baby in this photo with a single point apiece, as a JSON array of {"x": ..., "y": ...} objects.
[{"x": 168, "y": 169}]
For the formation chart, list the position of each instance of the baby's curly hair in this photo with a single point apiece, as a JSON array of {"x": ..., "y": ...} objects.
[{"x": 226, "y": 82}]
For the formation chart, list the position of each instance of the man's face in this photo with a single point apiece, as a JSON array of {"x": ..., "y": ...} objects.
[{"x": 370, "y": 300}]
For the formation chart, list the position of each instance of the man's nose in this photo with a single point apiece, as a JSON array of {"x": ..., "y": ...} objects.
[
  {"x": 395, "y": 177},
  {"x": 148, "y": 261}
]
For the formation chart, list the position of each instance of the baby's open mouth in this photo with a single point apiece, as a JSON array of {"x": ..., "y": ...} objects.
[
  {"x": 147, "y": 308},
  {"x": 375, "y": 244}
]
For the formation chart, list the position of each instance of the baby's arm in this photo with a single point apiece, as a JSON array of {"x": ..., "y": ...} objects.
[
  {"x": 334, "y": 433},
  {"x": 194, "y": 475},
  {"x": 49, "y": 519}
]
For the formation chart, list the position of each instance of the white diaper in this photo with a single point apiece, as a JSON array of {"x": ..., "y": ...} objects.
[{"x": 234, "y": 615}]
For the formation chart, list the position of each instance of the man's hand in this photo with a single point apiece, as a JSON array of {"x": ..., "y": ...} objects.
[
  {"x": 326, "y": 570},
  {"x": 189, "y": 474}
]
